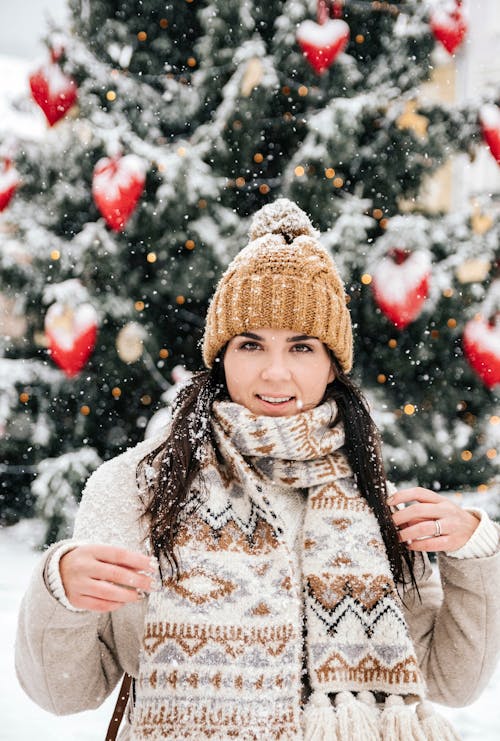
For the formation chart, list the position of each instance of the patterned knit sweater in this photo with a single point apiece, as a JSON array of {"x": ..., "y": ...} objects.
[
  {"x": 184, "y": 650},
  {"x": 239, "y": 654}
]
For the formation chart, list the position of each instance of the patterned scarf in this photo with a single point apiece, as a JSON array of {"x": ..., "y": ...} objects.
[{"x": 223, "y": 644}]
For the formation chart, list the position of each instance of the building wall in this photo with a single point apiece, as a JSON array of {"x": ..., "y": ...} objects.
[
  {"x": 478, "y": 74},
  {"x": 471, "y": 76}
]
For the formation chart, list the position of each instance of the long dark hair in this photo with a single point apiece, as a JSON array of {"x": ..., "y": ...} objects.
[{"x": 179, "y": 459}]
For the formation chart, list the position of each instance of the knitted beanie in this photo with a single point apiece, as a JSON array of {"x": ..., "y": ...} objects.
[{"x": 283, "y": 279}]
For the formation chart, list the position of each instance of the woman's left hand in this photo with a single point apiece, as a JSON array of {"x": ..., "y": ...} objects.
[{"x": 431, "y": 522}]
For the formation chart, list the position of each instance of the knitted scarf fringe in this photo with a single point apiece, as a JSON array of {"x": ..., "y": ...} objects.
[
  {"x": 320, "y": 722},
  {"x": 358, "y": 717},
  {"x": 436, "y": 728}
]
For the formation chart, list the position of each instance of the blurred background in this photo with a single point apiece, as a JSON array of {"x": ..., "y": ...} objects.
[{"x": 24, "y": 23}]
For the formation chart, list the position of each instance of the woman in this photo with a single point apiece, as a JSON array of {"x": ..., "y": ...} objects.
[{"x": 286, "y": 598}]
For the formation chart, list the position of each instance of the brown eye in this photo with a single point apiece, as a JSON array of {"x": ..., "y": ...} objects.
[
  {"x": 302, "y": 348},
  {"x": 249, "y": 345}
]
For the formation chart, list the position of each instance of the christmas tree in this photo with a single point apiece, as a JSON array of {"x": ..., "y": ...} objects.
[{"x": 168, "y": 125}]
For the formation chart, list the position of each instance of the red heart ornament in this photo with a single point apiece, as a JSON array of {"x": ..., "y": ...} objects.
[
  {"x": 71, "y": 334},
  {"x": 117, "y": 186},
  {"x": 400, "y": 285},
  {"x": 489, "y": 117},
  {"x": 448, "y": 25},
  {"x": 9, "y": 181},
  {"x": 481, "y": 345},
  {"x": 322, "y": 43},
  {"x": 53, "y": 91}
]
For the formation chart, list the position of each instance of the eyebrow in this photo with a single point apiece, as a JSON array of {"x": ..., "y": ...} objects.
[{"x": 297, "y": 338}]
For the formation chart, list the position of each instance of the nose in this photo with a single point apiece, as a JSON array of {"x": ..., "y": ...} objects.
[{"x": 275, "y": 369}]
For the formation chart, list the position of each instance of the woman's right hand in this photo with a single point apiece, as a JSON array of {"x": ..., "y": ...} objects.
[{"x": 103, "y": 578}]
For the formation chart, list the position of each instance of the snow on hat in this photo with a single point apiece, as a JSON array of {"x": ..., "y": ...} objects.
[{"x": 283, "y": 279}]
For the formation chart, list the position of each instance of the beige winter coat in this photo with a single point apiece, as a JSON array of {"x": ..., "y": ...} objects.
[{"x": 70, "y": 661}]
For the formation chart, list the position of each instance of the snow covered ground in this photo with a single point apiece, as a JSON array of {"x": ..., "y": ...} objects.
[{"x": 22, "y": 720}]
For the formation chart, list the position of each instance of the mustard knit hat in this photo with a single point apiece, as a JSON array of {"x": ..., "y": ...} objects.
[{"x": 283, "y": 279}]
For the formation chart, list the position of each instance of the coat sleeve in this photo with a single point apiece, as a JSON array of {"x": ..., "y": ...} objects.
[
  {"x": 68, "y": 661},
  {"x": 455, "y": 626},
  {"x": 65, "y": 661}
]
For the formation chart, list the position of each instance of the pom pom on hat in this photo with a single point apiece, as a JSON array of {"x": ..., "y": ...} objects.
[
  {"x": 283, "y": 279},
  {"x": 281, "y": 217}
]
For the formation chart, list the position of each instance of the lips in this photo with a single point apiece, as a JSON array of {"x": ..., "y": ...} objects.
[
  {"x": 275, "y": 399},
  {"x": 275, "y": 402}
]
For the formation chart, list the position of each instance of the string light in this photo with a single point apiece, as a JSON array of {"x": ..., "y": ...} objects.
[
  {"x": 377, "y": 213},
  {"x": 491, "y": 453},
  {"x": 448, "y": 292},
  {"x": 303, "y": 91},
  {"x": 163, "y": 353},
  {"x": 299, "y": 171},
  {"x": 392, "y": 343},
  {"x": 151, "y": 257},
  {"x": 163, "y": 23},
  {"x": 24, "y": 397},
  {"x": 116, "y": 392},
  {"x": 451, "y": 323},
  {"x": 55, "y": 255},
  {"x": 142, "y": 36},
  {"x": 139, "y": 305},
  {"x": 85, "y": 410},
  {"x": 381, "y": 378},
  {"x": 409, "y": 409},
  {"x": 329, "y": 173},
  {"x": 494, "y": 420},
  {"x": 111, "y": 95},
  {"x": 258, "y": 157},
  {"x": 264, "y": 189},
  {"x": 466, "y": 455},
  {"x": 189, "y": 244},
  {"x": 366, "y": 279},
  {"x": 146, "y": 399},
  {"x": 180, "y": 300}
]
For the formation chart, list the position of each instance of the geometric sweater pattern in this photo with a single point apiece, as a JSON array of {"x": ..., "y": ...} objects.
[{"x": 234, "y": 645}]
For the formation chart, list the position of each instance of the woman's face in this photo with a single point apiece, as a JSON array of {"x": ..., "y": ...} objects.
[{"x": 276, "y": 372}]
